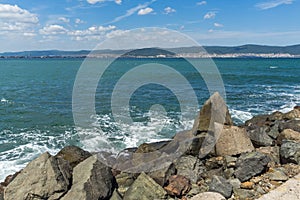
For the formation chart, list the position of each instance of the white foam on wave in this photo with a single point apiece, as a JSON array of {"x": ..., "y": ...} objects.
[
  {"x": 5, "y": 101},
  {"x": 240, "y": 116}
]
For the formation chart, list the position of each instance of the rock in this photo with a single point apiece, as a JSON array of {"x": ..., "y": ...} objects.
[
  {"x": 293, "y": 114},
  {"x": 228, "y": 173},
  {"x": 250, "y": 164},
  {"x": 277, "y": 175},
  {"x": 260, "y": 137},
  {"x": 232, "y": 141},
  {"x": 115, "y": 196},
  {"x": 291, "y": 124},
  {"x": 236, "y": 183},
  {"x": 162, "y": 175},
  {"x": 272, "y": 153},
  {"x": 190, "y": 167},
  {"x": 145, "y": 188},
  {"x": 273, "y": 131},
  {"x": 288, "y": 134},
  {"x": 290, "y": 152},
  {"x": 124, "y": 181},
  {"x": 92, "y": 180},
  {"x": 195, "y": 189},
  {"x": 215, "y": 163},
  {"x": 150, "y": 147},
  {"x": 73, "y": 154},
  {"x": 221, "y": 185},
  {"x": 230, "y": 161},
  {"x": 244, "y": 194},
  {"x": 257, "y": 121},
  {"x": 213, "y": 110},
  {"x": 46, "y": 177},
  {"x": 178, "y": 186},
  {"x": 247, "y": 185},
  {"x": 275, "y": 116},
  {"x": 208, "y": 196}
]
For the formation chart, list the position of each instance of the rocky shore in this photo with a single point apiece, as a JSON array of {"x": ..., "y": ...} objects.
[{"x": 215, "y": 160}]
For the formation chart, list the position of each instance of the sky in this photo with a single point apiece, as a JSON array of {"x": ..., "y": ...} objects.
[{"x": 82, "y": 24}]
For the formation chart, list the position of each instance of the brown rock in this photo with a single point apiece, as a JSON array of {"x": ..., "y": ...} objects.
[
  {"x": 293, "y": 114},
  {"x": 288, "y": 134},
  {"x": 178, "y": 185},
  {"x": 247, "y": 185},
  {"x": 232, "y": 141},
  {"x": 213, "y": 111}
]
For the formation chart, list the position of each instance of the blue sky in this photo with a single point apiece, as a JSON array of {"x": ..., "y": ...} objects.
[{"x": 81, "y": 24}]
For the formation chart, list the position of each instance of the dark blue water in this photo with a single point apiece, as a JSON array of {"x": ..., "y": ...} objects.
[{"x": 36, "y": 102}]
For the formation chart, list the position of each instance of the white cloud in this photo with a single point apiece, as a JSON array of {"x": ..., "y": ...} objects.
[
  {"x": 79, "y": 21},
  {"x": 145, "y": 11},
  {"x": 218, "y": 25},
  {"x": 91, "y": 33},
  {"x": 101, "y": 1},
  {"x": 210, "y": 15},
  {"x": 273, "y": 4},
  {"x": 201, "y": 3},
  {"x": 169, "y": 10},
  {"x": 53, "y": 30},
  {"x": 118, "y": 2},
  {"x": 63, "y": 19}
]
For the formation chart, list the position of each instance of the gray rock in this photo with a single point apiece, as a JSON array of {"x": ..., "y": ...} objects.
[
  {"x": 221, "y": 185},
  {"x": 232, "y": 141},
  {"x": 92, "y": 180},
  {"x": 244, "y": 194},
  {"x": 213, "y": 111},
  {"x": 230, "y": 161},
  {"x": 190, "y": 167},
  {"x": 43, "y": 178},
  {"x": 208, "y": 196},
  {"x": 250, "y": 164},
  {"x": 236, "y": 183},
  {"x": 73, "y": 154},
  {"x": 162, "y": 175},
  {"x": 290, "y": 152},
  {"x": 145, "y": 188},
  {"x": 115, "y": 196},
  {"x": 124, "y": 181},
  {"x": 288, "y": 134},
  {"x": 260, "y": 137},
  {"x": 272, "y": 152},
  {"x": 291, "y": 124},
  {"x": 277, "y": 175},
  {"x": 274, "y": 130}
]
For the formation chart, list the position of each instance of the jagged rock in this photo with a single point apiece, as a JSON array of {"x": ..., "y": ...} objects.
[
  {"x": 213, "y": 111},
  {"x": 272, "y": 153},
  {"x": 257, "y": 121},
  {"x": 273, "y": 131},
  {"x": 244, "y": 194},
  {"x": 73, "y": 154},
  {"x": 215, "y": 163},
  {"x": 275, "y": 116},
  {"x": 145, "y": 188},
  {"x": 115, "y": 196},
  {"x": 260, "y": 137},
  {"x": 236, "y": 183},
  {"x": 228, "y": 173},
  {"x": 92, "y": 180},
  {"x": 221, "y": 185},
  {"x": 293, "y": 114},
  {"x": 290, "y": 152},
  {"x": 44, "y": 178},
  {"x": 208, "y": 196},
  {"x": 190, "y": 167},
  {"x": 232, "y": 141},
  {"x": 250, "y": 164},
  {"x": 288, "y": 134},
  {"x": 124, "y": 181},
  {"x": 178, "y": 185},
  {"x": 277, "y": 175},
  {"x": 291, "y": 124},
  {"x": 162, "y": 175}
]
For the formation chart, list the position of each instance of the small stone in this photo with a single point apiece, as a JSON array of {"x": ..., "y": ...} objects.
[
  {"x": 247, "y": 185},
  {"x": 256, "y": 179},
  {"x": 230, "y": 161},
  {"x": 290, "y": 152},
  {"x": 244, "y": 194},
  {"x": 277, "y": 175},
  {"x": 178, "y": 185},
  {"x": 236, "y": 183},
  {"x": 220, "y": 185},
  {"x": 228, "y": 173},
  {"x": 208, "y": 196}
]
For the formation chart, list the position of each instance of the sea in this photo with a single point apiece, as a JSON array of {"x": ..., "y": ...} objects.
[{"x": 37, "y": 102}]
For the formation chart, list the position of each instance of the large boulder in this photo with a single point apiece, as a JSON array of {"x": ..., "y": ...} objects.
[
  {"x": 232, "y": 141},
  {"x": 145, "y": 188},
  {"x": 251, "y": 164},
  {"x": 46, "y": 177},
  {"x": 92, "y": 180},
  {"x": 220, "y": 185},
  {"x": 288, "y": 134},
  {"x": 73, "y": 154},
  {"x": 290, "y": 152},
  {"x": 213, "y": 111},
  {"x": 260, "y": 137}
]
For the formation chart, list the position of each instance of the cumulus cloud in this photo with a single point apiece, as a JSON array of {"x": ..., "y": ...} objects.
[
  {"x": 145, "y": 11},
  {"x": 63, "y": 19},
  {"x": 218, "y": 25},
  {"x": 201, "y": 3},
  {"x": 79, "y": 21},
  {"x": 101, "y": 1},
  {"x": 169, "y": 10},
  {"x": 53, "y": 30},
  {"x": 118, "y": 2},
  {"x": 91, "y": 33},
  {"x": 210, "y": 15},
  {"x": 273, "y": 4}
]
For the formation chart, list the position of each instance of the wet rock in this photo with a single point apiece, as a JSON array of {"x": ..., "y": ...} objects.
[
  {"x": 260, "y": 137},
  {"x": 277, "y": 175},
  {"x": 232, "y": 141},
  {"x": 190, "y": 167},
  {"x": 124, "y": 181},
  {"x": 144, "y": 188},
  {"x": 250, "y": 164},
  {"x": 44, "y": 178},
  {"x": 213, "y": 111},
  {"x": 221, "y": 185},
  {"x": 178, "y": 186},
  {"x": 73, "y": 154},
  {"x": 91, "y": 180},
  {"x": 162, "y": 175},
  {"x": 208, "y": 196},
  {"x": 288, "y": 134},
  {"x": 290, "y": 152}
]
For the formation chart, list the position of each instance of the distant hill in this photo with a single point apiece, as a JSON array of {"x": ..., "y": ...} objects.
[{"x": 220, "y": 50}]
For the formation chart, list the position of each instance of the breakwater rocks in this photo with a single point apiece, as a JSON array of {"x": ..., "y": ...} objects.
[{"x": 215, "y": 160}]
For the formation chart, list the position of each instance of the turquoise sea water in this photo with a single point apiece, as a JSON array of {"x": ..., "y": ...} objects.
[{"x": 36, "y": 103}]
